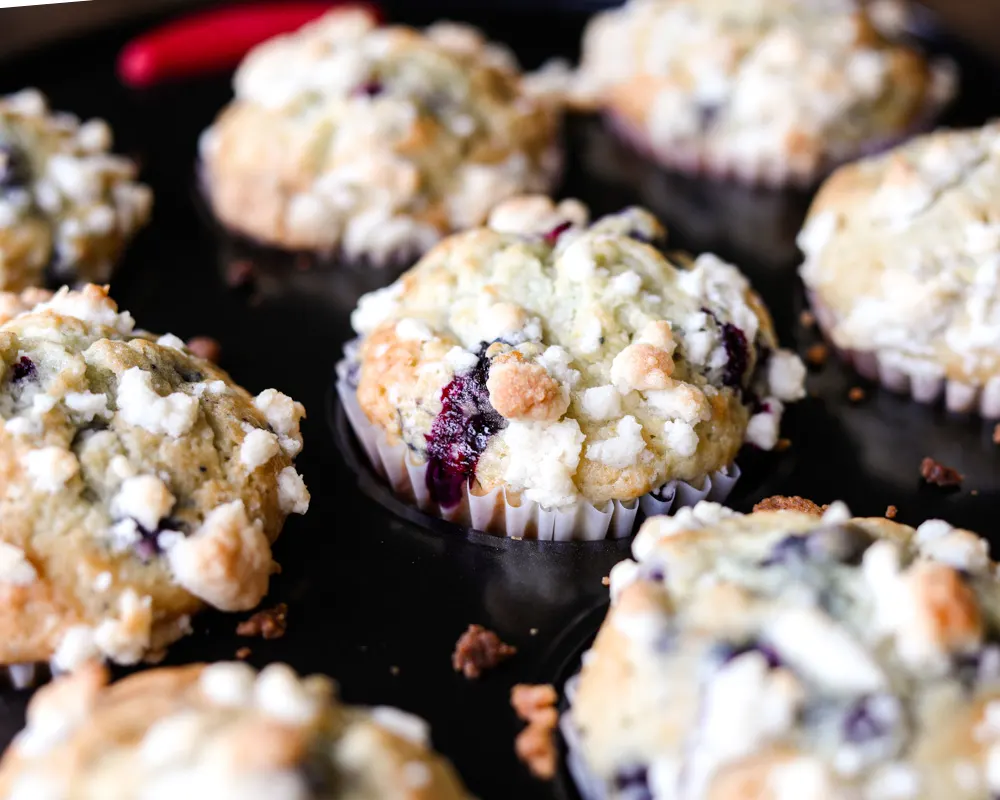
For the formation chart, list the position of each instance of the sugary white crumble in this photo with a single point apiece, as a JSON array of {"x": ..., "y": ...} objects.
[
  {"x": 280, "y": 694},
  {"x": 283, "y": 415},
  {"x": 542, "y": 459},
  {"x": 409, "y": 329},
  {"x": 293, "y": 496},
  {"x": 144, "y": 498},
  {"x": 15, "y": 568},
  {"x": 51, "y": 468},
  {"x": 139, "y": 404},
  {"x": 402, "y": 724},
  {"x": 173, "y": 342},
  {"x": 601, "y": 402},
  {"x": 623, "y": 448},
  {"x": 228, "y": 684},
  {"x": 88, "y": 404},
  {"x": 258, "y": 448}
]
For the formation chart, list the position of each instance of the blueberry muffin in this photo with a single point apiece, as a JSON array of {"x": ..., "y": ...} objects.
[
  {"x": 901, "y": 262},
  {"x": 138, "y": 484},
  {"x": 67, "y": 206},
  {"x": 774, "y": 92},
  {"x": 219, "y": 731},
  {"x": 562, "y": 363},
  {"x": 784, "y": 654},
  {"x": 374, "y": 142}
]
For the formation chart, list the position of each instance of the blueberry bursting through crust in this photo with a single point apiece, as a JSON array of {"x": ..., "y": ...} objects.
[{"x": 461, "y": 432}]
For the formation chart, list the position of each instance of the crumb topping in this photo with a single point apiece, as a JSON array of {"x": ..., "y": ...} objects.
[{"x": 479, "y": 650}]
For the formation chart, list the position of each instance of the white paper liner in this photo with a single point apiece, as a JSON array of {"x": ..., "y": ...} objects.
[
  {"x": 692, "y": 158},
  {"x": 961, "y": 398},
  {"x": 587, "y": 784},
  {"x": 518, "y": 518}
]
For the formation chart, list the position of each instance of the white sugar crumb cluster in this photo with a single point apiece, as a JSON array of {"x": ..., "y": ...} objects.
[
  {"x": 140, "y": 404},
  {"x": 854, "y": 644},
  {"x": 601, "y": 354}
]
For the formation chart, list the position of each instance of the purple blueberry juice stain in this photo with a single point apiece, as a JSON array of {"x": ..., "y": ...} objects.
[
  {"x": 460, "y": 433},
  {"x": 13, "y": 167},
  {"x": 979, "y": 667},
  {"x": 833, "y": 544},
  {"x": 553, "y": 235},
  {"x": 737, "y": 354},
  {"x": 725, "y": 652},
  {"x": 147, "y": 548},
  {"x": 373, "y": 87},
  {"x": 871, "y": 717},
  {"x": 24, "y": 369},
  {"x": 633, "y": 783}
]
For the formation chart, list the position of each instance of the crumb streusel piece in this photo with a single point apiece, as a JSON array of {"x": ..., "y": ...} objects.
[
  {"x": 375, "y": 141},
  {"x": 220, "y": 731},
  {"x": 138, "y": 484},
  {"x": 68, "y": 206},
  {"x": 781, "y": 654}
]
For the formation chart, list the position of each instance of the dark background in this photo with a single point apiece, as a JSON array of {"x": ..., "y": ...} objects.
[{"x": 376, "y": 599}]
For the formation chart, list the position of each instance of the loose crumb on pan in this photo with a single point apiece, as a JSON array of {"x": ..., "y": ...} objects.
[
  {"x": 782, "y": 445},
  {"x": 807, "y": 319},
  {"x": 243, "y": 653},
  {"x": 533, "y": 632},
  {"x": 239, "y": 272},
  {"x": 780, "y": 502},
  {"x": 890, "y": 512},
  {"x": 478, "y": 650},
  {"x": 535, "y": 745},
  {"x": 996, "y": 434},
  {"x": 817, "y": 355},
  {"x": 268, "y": 624},
  {"x": 939, "y": 474},
  {"x": 205, "y": 347},
  {"x": 606, "y": 580},
  {"x": 856, "y": 394},
  {"x": 394, "y": 670}
]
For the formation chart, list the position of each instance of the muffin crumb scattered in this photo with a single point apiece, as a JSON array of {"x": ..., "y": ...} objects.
[
  {"x": 807, "y": 319},
  {"x": 533, "y": 632},
  {"x": 394, "y": 670},
  {"x": 856, "y": 394},
  {"x": 605, "y": 581},
  {"x": 996, "y": 434},
  {"x": 205, "y": 347},
  {"x": 780, "y": 502},
  {"x": 817, "y": 355},
  {"x": 936, "y": 473},
  {"x": 782, "y": 445},
  {"x": 243, "y": 653},
  {"x": 478, "y": 650},
  {"x": 239, "y": 272},
  {"x": 890, "y": 512},
  {"x": 535, "y": 747},
  {"x": 267, "y": 624}
]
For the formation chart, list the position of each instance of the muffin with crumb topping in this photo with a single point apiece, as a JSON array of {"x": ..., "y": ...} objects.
[
  {"x": 346, "y": 138},
  {"x": 784, "y": 654},
  {"x": 540, "y": 375},
  {"x": 68, "y": 206},
  {"x": 774, "y": 91},
  {"x": 222, "y": 731}
]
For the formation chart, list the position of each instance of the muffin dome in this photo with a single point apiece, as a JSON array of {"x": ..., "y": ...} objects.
[
  {"x": 375, "y": 141},
  {"x": 775, "y": 91},
  {"x": 67, "y": 206},
  {"x": 218, "y": 731},
  {"x": 782, "y": 654},
  {"x": 565, "y": 361},
  {"x": 139, "y": 484},
  {"x": 901, "y": 262}
]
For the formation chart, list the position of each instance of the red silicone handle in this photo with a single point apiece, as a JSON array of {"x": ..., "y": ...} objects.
[{"x": 213, "y": 40}]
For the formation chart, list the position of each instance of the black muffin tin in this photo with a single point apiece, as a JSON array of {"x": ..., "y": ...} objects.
[{"x": 377, "y": 592}]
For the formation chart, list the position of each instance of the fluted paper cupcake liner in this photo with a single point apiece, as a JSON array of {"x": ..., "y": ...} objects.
[
  {"x": 498, "y": 513},
  {"x": 690, "y": 158},
  {"x": 587, "y": 784},
  {"x": 962, "y": 398}
]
